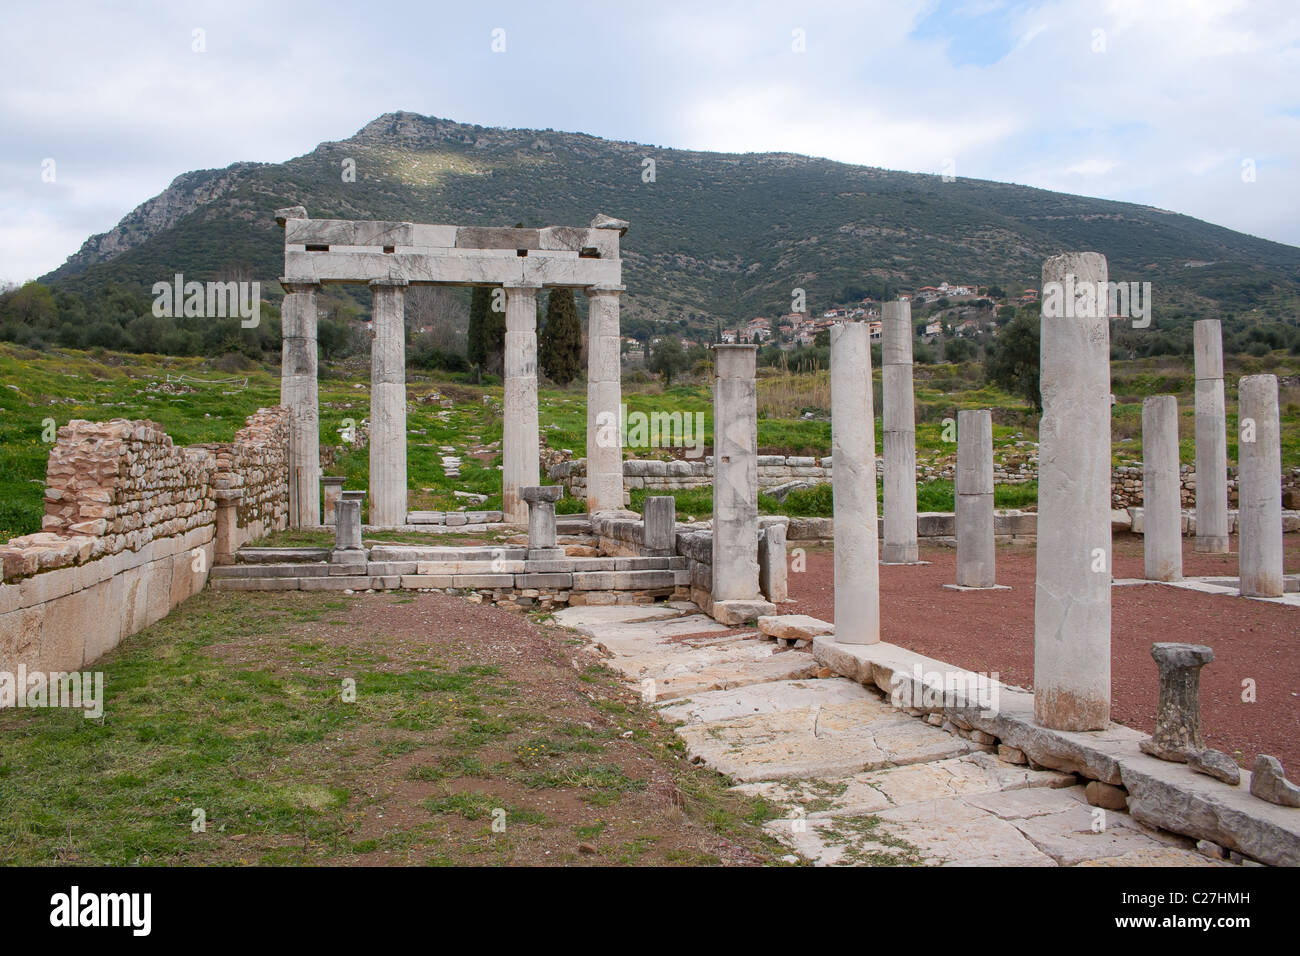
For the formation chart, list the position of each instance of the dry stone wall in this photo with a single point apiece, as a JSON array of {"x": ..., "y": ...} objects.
[
  {"x": 778, "y": 472},
  {"x": 132, "y": 524}
]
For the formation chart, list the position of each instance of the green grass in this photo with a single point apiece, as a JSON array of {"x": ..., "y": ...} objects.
[
  {"x": 59, "y": 385},
  {"x": 235, "y": 708}
]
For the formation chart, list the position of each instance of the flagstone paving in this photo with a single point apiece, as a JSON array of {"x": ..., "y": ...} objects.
[{"x": 856, "y": 781}]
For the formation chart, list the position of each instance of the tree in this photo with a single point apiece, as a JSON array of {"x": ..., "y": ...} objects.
[
  {"x": 559, "y": 346},
  {"x": 668, "y": 359},
  {"x": 1013, "y": 362},
  {"x": 476, "y": 345}
]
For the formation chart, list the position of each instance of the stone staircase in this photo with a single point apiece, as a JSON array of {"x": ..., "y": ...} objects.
[{"x": 856, "y": 780}]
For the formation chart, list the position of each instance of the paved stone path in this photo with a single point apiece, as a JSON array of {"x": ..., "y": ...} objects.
[{"x": 858, "y": 781}]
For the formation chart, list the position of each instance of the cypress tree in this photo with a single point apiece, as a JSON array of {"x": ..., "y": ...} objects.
[
  {"x": 559, "y": 347},
  {"x": 476, "y": 343}
]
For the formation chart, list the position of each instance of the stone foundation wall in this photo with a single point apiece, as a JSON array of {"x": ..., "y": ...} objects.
[{"x": 132, "y": 525}]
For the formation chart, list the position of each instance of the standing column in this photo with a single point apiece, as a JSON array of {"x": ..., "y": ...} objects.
[
  {"x": 900, "y": 433},
  {"x": 975, "y": 544},
  {"x": 298, "y": 392},
  {"x": 1259, "y": 487},
  {"x": 735, "y": 486},
  {"x": 1211, "y": 439},
  {"x": 1162, "y": 514},
  {"x": 519, "y": 452},
  {"x": 1072, "y": 583},
  {"x": 388, "y": 404},
  {"x": 604, "y": 397},
  {"x": 853, "y": 477}
]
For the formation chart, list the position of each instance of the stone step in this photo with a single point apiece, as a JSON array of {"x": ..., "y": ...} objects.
[
  {"x": 407, "y": 552},
  {"x": 585, "y": 617},
  {"x": 281, "y": 555},
  {"x": 253, "y": 571},
  {"x": 877, "y": 790},
  {"x": 836, "y": 739},
  {"x": 1026, "y": 827}
]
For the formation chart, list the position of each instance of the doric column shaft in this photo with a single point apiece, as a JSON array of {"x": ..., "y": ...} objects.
[
  {"x": 976, "y": 561},
  {"x": 735, "y": 472},
  {"x": 1211, "y": 439},
  {"x": 519, "y": 451},
  {"x": 298, "y": 392},
  {"x": 853, "y": 475},
  {"x": 604, "y": 396},
  {"x": 1162, "y": 513},
  {"x": 388, "y": 404},
  {"x": 1259, "y": 487},
  {"x": 1072, "y": 583},
  {"x": 899, "y": 433}
]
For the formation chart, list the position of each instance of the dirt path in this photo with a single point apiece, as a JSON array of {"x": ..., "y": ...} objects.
[{"x": 994, "y": 631}]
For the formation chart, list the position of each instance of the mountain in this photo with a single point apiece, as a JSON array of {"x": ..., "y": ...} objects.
[{"x": 714, "y": 236}]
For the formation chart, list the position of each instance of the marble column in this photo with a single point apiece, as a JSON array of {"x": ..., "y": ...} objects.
[
  {"x": 519, "y": 451},
  {"x": 541, "y": 500},
  {"x": 1259, "y": 487},
  {"x": 388, "y": 404},
  {"x": 604, "y": 398},
  {"x": 1211, "y": 439},
  {"x": 976, "y": 562},
  {"x": 1162, "y": 513},
  {"x": 659, "y": 521},
  {"x": 1178, "y": 710},
  {"x": 899, "y": 433},
  {"x": 1072, "y": 583},
  {"x": 298, "y": 392},
  {"x": 853, "y": 476},
  {"x": 735, "y": 483},
  {"x": 347, "y": 528}
]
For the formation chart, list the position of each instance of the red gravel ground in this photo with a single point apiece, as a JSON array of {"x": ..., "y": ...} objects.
[{"x": 994, "y": 631}]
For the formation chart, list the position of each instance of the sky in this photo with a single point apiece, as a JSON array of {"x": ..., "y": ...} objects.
[{"x": 1186, "y": 105}]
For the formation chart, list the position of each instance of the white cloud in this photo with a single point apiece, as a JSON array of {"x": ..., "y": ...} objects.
[{"x": 1184, "y": 91}]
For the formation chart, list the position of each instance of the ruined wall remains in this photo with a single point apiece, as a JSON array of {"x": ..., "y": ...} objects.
[
  {"x": 777, "y": 473},
  {"x": 132, "y": 524}
]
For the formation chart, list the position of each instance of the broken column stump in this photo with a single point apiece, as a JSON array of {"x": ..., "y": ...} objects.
[
  {"x": 1178, "y": 714},
  {"x": 541, "y": 501}
]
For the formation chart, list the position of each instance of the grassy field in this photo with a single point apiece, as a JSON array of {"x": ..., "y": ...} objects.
[
  {"x": 199, "y": 400},
  {"x": 233, "y": 714}
]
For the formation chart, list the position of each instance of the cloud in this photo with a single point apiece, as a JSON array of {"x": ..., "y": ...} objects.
[{"x": 1158, "y": 102}]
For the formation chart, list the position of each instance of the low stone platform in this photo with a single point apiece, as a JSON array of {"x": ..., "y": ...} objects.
[
  {"x": 1230, "y": 587},
  {"x": 503, "y": 573},
  {"x": 860, "y": 781},
  {"x": 1159, "y": 794}
]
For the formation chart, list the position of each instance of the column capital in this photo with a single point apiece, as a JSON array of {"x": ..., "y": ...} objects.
[
  {"x": 299, "y": 285},
  {"x": 388, "y": 283},
  {"x": 521, "y": 285},
  {"x": 604, "y": 289}
]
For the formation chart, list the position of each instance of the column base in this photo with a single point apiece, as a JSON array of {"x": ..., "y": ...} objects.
[
  {"x": 1215, "y": 544},
  {"x": 900, "y": 554}
]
